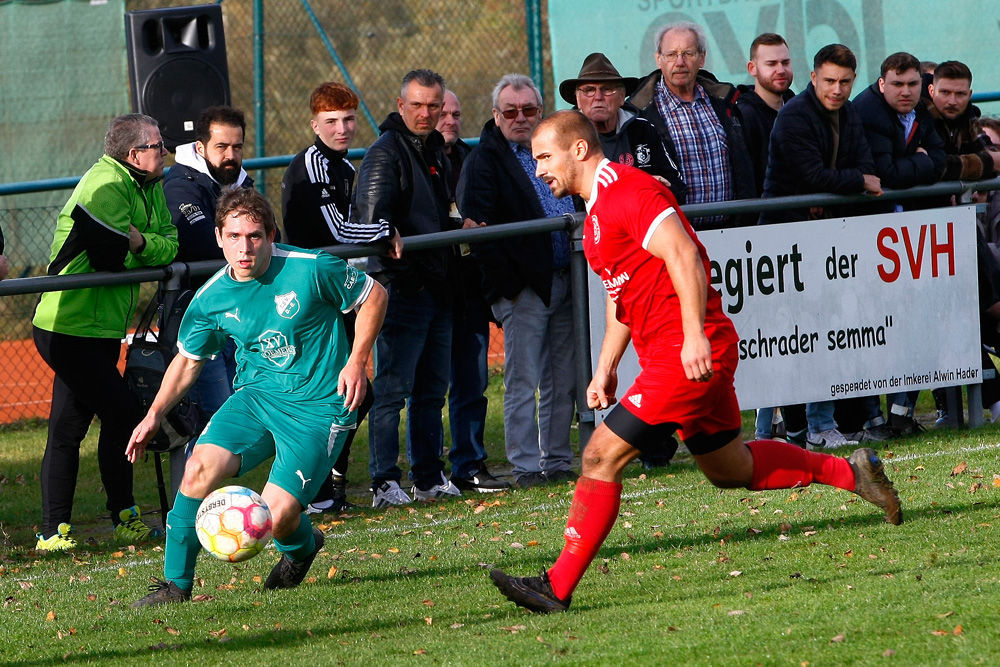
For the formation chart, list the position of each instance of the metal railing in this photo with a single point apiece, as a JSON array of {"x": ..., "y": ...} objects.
[{"x": 173, "y": 275}]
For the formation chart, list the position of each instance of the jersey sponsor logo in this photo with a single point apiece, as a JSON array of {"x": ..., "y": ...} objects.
[
  {"x": 597, "y": 229},
  {"x": 287, "y": 305},
  {"x": 352, "y": 277},
  {"x": 626, "y": 159},
  {"x": 614, "y": 285},
  {"x": 636, "y": 400},
  {"x": 274, "y": 347},
  {"x": 643, "y": 155}
]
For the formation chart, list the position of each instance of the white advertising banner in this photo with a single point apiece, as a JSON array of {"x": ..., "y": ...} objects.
[{"x": 842, "y": 307}]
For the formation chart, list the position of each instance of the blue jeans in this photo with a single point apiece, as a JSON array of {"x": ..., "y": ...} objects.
[
  {"x": 470, "y": 342},
  {"x": 820, "y": 416},
  {"x": 763, "y": 425},
  {"x": 412, "y": 364}
]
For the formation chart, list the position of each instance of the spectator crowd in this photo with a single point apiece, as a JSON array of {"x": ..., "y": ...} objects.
[{"x": 704, "y": 139}]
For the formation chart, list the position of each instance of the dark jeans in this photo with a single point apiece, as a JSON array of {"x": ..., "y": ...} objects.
[
  {"x": 470, "y": 343},
  {"x": 412, "y": 364},
  {"x": 87, "y": 383}
]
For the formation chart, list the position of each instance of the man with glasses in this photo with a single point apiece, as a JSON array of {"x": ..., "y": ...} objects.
[
  {"x": 116, "y": 219},
  {"x": 599, "y": 92},
  {"x": 698, "y": 120},
  {"x": 526, "y": 281}
]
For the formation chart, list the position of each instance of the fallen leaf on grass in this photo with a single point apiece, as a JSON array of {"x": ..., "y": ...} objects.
[
  {"x": 455, "y": 626},
  {"x": 837, "y": 639},
  {"x": 429, "y": 620},
  {"x": 735, "y": 573},
  {"x": 173, "y": 631},
  {"x": 428, "y": 603},
  {"x": 420, "y": 651},
  {"x": 975, "y": 487},
  {"x": 888, "y": 653},
  {"x": 946, "y": 614},
  {"x": 959, "y": 469},
  {"x": 626, "y": 556},
  {"x": 957, "y": 631},
  {"x": 736, "y": 612},
  {"x": 51, "y": 616},
  {"x": 940, "y": 633},
  {"x": 221, "y": 632},
  {"x": 202, "y": 598},
  {"x": 516, "y": 545},
  {"x": 514, "y": 629}
]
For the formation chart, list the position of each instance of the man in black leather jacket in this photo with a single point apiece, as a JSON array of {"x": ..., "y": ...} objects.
[{"x": 403, "y": 191}]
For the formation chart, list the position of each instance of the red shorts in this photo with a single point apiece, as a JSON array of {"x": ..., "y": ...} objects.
[{"x": 662, "y": 394}]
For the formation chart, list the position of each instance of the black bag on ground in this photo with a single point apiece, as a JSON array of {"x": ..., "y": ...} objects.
[{"x": 148, "y": 356}]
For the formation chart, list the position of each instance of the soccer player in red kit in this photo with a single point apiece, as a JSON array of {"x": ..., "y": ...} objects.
[{"x": 656, "y": 273}]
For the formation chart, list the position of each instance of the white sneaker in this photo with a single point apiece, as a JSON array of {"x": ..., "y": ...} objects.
[
  {"x": 442, "y": 490},
  {"x": 388, "y": 493},
  {"x": 830, "y": 439}
]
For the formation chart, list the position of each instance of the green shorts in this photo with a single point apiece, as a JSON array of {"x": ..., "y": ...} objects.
[{"x": 305, "y": 441}]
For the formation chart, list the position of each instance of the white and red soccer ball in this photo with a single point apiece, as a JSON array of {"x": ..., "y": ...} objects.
[{"x": 233, "y": 523}]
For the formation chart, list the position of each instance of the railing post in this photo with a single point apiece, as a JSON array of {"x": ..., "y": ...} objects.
[
  {"x": 578, "y": 270},
  {"x": 171, "y": 287}
]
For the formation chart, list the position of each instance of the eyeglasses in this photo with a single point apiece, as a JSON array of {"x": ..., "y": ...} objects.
[
  {"x": 158, "y": 146},
  {"x": 684, "y": 55},
  {"x": 606, "y": 91},
  {"x": 529, "y": 112}
]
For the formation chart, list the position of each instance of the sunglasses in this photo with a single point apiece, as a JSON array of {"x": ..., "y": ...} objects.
[
  {"x": 158, "y": 146},
  {"x": 529, "y": 112}
]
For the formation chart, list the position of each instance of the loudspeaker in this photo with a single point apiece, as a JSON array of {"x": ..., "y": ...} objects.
[{"x": 177, "y": 66}]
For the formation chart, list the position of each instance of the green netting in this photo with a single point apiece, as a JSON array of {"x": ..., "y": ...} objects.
[{"x": 63, "y": 78}]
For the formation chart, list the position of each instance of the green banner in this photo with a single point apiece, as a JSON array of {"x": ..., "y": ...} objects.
[{"x": 957, "y": 30}]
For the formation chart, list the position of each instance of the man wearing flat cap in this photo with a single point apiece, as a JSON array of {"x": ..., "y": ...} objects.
[{"x": 599, "y": 93}]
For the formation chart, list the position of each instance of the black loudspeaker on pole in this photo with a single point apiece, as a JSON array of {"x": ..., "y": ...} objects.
[{"x": 177, "y": 66}]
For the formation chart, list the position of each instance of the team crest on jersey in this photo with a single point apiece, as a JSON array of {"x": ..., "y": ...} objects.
[
  {"x": 287, "y": 305},
  {"x": 274, "y": 347},
  {"x": 643, "y": 154},
  {"x": 352, "y": 278},
  {"x": 626, "y": 159},
  {"x": 597, "y": 229}
]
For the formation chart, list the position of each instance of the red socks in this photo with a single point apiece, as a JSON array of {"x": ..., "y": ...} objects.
[
  {"x": 780, "y": 465},
  {"x": 591, "y": 516}
]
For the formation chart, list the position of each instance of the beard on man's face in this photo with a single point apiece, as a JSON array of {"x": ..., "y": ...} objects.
[{"x": 226, "y": 173}]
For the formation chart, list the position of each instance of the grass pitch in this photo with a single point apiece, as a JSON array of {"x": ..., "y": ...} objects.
[{"x": 690, "y": 574}]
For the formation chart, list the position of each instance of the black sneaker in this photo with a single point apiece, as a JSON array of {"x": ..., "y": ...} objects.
[
  {"x": 529, "y": 479},
  {"x": 162, "y": 592},
  {"x": 871, "y": 484},
  {"x": 560, "y": 476},
  {"x": 904, "y": 425},
  {"x": 289, "y": 573},
  {"x": 481, "y": 481},
  {"x": 532, "y": 593}
]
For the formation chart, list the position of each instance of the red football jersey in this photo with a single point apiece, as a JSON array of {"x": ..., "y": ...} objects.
[{"x": 625, "y": 208}]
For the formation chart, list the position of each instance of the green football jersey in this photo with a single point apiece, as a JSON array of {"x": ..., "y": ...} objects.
[{"x": 286, "y": 323}]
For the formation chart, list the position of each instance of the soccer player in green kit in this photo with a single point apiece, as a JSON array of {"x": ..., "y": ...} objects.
[{"x": 281, "y": 305}]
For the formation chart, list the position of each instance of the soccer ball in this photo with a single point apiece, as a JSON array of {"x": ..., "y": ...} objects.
[{"x": 233, "y": 523}]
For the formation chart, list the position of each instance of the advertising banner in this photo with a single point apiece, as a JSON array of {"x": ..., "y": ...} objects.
[{"x": 843, "y": 307}]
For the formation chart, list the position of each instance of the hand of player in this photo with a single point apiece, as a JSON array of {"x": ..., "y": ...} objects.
[
  {"x": 662, "y": 180},
  {"x": 696, "y": 358},
  {"x": 469, "y": 223},
  {"x": 141, "y": 436},
  {"x": 351, "y": 385},
  {"x": 601, "y": 391},
  {"x": 396, "y": 246}
]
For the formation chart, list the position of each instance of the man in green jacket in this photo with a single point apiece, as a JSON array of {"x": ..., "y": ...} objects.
[{"x": 116, "y": 219}]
